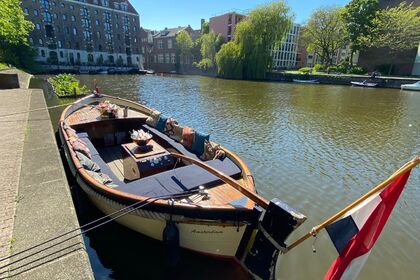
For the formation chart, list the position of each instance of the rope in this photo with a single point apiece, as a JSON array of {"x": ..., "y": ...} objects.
[
  {"x": 128, "y": 208},
  {"x": 34, "y": 110}
]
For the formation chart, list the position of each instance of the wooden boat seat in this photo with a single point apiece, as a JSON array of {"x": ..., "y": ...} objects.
[{"x": 173, "y": 181}]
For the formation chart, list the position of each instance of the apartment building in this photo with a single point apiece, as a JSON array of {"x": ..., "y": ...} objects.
[
  {"x": 225, "y": 24},
  {"x": 84, "y": 32},
  {"x": 285, "y": 54},
  {"x": 164, "y": 53}
]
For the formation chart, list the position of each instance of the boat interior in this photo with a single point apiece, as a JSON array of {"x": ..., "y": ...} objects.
[{"x": 110, "y": 146}]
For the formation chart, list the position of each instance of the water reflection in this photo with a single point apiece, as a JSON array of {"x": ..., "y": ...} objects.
[{"x": 316, "y": 147}]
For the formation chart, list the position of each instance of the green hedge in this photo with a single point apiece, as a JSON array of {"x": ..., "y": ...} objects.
[
  {"x": 66, "y": 84},
  {"x": 305, "y": 70}
]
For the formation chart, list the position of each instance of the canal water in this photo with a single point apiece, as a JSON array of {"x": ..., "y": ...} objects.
[{"x": 315, "y": 147}]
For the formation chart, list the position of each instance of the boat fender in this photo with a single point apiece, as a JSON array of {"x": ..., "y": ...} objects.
[{"x": 171, "y": 243}]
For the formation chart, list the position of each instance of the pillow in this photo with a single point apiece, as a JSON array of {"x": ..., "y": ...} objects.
[
  {"x": 71, "y": 133},
  {"x": 198, "y": 144},
  {"x": 79, "y": 146},
  {"x": 177, "y": 136},
  {"x": 101, "y": 178},
  {"x": 160, "y": 125},
  {"x": 87, "y": 163},
  {"x": 187, "y": 137},
  {"x": 153, "y": 118},
  {"x": 169, "y": 126},
  {"x": 210, "y": 150}
]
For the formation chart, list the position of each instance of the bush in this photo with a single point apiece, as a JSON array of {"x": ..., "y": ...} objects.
[
  {"x": 305, "y": 70},
  {"x": 319, "y": 67},
  {"x": 357, "y": 70},
  {"x": 343, "y": 67},
  {"x": 332, "y": 69},
  {"x": 229, "y": 61},
  {"x": 65, "y": 84}
]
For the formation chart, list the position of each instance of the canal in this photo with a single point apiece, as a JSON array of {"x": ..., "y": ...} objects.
[{"x": 315, "y": 147}]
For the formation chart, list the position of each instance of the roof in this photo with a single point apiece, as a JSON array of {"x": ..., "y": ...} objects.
[{"x": 169, "y": 32}]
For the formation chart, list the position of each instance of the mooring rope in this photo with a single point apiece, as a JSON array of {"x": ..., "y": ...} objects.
[
  {"x": 138, "y": 205},
  {"x": 34, "y": 110}
]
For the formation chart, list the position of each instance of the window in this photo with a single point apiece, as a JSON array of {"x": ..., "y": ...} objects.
[
  {"x": 116, "y": 5},
  {"x": 61, "y": 54},
  {"x": 111, "y": 59},
  {"x": 84, "y": 12},
  {"x": 87, "y": 34},
  {"x": 47, "y": 17},
  {"x": 38, "y": 27},
  {"x": 125, "y": 29},
  {"x": 67, "y": 30},
  {"x": 107, "y": 26},
  {"x": 107, "y": 16},
  {"x": 124, "y": 7},
  {"x": 160, "y": 44},
  {"x": 62, "y": 5},
  {"x": 97, "y": 22},
  {"x": 172, "y": 58},
  {"x": 96, "y": 12},
  {"x": 73, "y": 18},
  {"x": 134, "y": 29},
  {"x": 85, "y": 23},
  {"x": 116, "y": 25},
  {"x": 55, "y": 16},
  {"x": 166, "y": 57},
  {"x": 170, "y": 44},
  {"x": 100, "y": 47},
  {"x": 71, "y": 7},
  {"x": 40, "y": 42},
  {"x": 31, "y": 40},
  {"x": 26, "y": 11},
  {"x": 154, "y": 59},
  {"x": 105, "y": 3},
  {"x": 98, "y": 34},
  {"x": 45, "y": 4},
  {"x": 36, "y": 12},
  {"x": 160, "y": 58},
  {"x": 64, "y": 17},
  {"x": 90, "y": 57},
  {"x": 59, "y": 44},
  {"x": 74, "y": 31},
  {"x": 42, "y": 51},
  {"x": 108, "y": 36}
]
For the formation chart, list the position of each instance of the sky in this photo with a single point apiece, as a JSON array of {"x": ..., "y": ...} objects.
[{"x": 158, "y": 14}]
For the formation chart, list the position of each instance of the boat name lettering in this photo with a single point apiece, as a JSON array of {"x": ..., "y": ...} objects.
[{"x": 206, "y": 231}]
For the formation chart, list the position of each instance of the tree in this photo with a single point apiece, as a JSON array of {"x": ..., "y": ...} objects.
[
  {"x": 205, "y": 28},
  {"x": 325, "y": 33},
  {"x": 397, "y": 29},
  {"x": 14, "y": 30},
  {"x": 258, "y": 33},
  {"x": 359, "y": 17},
  {"x": 184, "y": 46},
  {"x": 229, "y": 61},
  {"x": 210, "y": 45}
]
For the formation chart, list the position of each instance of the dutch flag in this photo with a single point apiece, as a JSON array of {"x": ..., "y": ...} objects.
[{"x": 355, "y": 233}]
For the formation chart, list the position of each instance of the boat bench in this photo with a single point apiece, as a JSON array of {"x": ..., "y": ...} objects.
[{"x": 170, "y": 182}]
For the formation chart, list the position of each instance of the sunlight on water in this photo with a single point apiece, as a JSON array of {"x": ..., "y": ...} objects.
[{"x": 316, "y": 147}]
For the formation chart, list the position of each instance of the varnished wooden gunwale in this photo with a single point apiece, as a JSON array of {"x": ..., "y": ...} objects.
[{"x": 246, "y": 180}]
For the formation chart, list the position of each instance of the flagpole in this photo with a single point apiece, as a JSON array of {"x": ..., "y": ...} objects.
[{"x": 402, "y": 170}]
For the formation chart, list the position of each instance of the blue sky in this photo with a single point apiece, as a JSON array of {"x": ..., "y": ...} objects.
[{"x": 158, "y": 14}]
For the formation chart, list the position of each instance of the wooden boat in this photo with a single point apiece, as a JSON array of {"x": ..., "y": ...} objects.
[
  {"x": 415, "y": 86},
  {"x": 211, "y": 203},
  {"x": 306, "y": 81},
  {"x": 364, "y": 84}
]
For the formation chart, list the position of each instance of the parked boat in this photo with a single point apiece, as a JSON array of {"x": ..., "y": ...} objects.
[
  {"x": 84, "y": 71},
  {"x": 364, "y": 84},
  {"x": 103, "y": 71},
  {"x": 150, "y": 72},
  {"x": 415, "y": 86},
  {"x": 306, "y": 81},
  {"x": 142, "y": 72}
]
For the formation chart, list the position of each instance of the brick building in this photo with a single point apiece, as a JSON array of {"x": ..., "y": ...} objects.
[
  {"x": 163, "y": 57},
  {"x": 225, "y": 24},
  {"x": 84, "y": 32}
]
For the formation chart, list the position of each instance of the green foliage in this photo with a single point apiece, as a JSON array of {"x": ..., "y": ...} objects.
[
  {"x": 332, "y": 69},
  {"x": 184, "y": 46},
  {"x": 65, "y": 85},
  {"x": 359, "y": 17},
  {"x": 319, "y": 67},
  {"x": 325, "y": 33},
  {"x": 205, "y": 28},
  {"x": 397, "y": 28},
  {"x": 305, "y": 70},
  {"x": 2, "y": 65},
  {"x": 14, "y": 29},
  {"x": 357, "y": 70},
  {"x": 21, "y": 56},
  {"x": 343, "y": 67},
  {"x": 229, "y": 62},
  {"x": 263, "y": 28},
  {"x": 210, "y": 45}
]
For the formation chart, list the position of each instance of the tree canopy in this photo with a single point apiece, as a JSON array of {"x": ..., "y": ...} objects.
[
  {"x": 184, "y": 45},
  {"x": 14, "y": 28},
  {"x": 359, "y": 18},
  {"x": 229, "y": 61},
  {"x": 263, "y": 28},
  {"x": 210, "y": 45},
  {"x": 325, "y": 33},
  {"x": 397, "y": 28}
]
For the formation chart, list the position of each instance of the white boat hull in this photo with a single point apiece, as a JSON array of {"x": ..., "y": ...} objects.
[
  {"x": 415, "y": 86},
  {"x": 362, "y": 84}
]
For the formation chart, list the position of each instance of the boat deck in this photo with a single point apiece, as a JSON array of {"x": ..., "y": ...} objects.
[
  {"x": 219, "y": 195},
  {"x": 89, "y": 114}
]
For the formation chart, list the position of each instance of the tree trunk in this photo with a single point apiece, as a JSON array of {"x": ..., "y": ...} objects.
[{"x": 351, "y": 57}]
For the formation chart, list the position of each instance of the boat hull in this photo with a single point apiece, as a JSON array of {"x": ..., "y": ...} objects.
[
  {"x": 410, "y": 87},
  {"x": 361, "y": 84}
]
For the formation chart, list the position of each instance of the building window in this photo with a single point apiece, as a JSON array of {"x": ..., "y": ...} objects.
[
  {"x": 42, "y": 52},
  {"x": 84, "y": 12},
  {"x": 107, "y": 16},
  {"x": 31, "y": 40},
  {"x": 62, "y": 5},
  {"x": 90, "y": 57},
  {"x": 61, "y": 54},
  {"x": 160, "y": 58},
  {"x": 74, "y": 31},
  {"x": 45, "y": 4},
  {"x": 96, "y": 12},
  {"x": 40, "y": 42},
  {"x": 160, "y": 44},
  {"x": 116, "y": 5},
  {"x": 98, "y": 34},
  {"x": 166, "y": 57},
  {"x": 105, "y": 3},
  {"x": 73, "y": 18},
  {"x": 59, "y": 44},
  {"x": 64, "y": 17},
  {"x": 38, "y": 27},
  {"x": 71, "y": 7},
  {"x": 124, "y": 7},
  {"x": 97, "y": 22},
  {"x": 111, "y": 59},
  {"x": 47, "y": 17},
  {"x": 134, "y": 29},
  {"x": 107, "y": 26},
  {"x": 85, "y": 23},
  {"x": 172, "y": 58},
  {"x": 154, "y": 59},
  {"x": 117, "y": 26},
  {"x": 26, "y": 11},
  {"x": 87, "y": 34},
  {"x": 36, "y": 12},
  {"x": 170, "y": 44}
]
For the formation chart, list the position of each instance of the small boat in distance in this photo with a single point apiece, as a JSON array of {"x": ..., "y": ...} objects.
[
  {"x": 415, "y": 86},
  {"x": 306, "y": 81},
  {"x": 103, "y": 71},
  {"x": 364, "y": 84}
]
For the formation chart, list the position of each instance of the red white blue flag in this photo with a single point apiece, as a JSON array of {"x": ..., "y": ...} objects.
[{"x": 355, "y": 233}]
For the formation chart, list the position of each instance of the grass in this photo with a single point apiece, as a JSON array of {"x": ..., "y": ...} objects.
[{"x": 3, "y": 65}]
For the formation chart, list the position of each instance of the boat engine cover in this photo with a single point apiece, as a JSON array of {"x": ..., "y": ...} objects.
[{"x": 278, "y": 222}]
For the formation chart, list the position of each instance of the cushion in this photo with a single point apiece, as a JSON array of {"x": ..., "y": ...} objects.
[
  {"x": 71, "y": 133},
  {"x": 198, "y": 144},
  {"x": 187, "y": 137},
  {"x": 160, "y": 125},
  {"x": 210, "y": 150},
  {"x": 100, "y": 177},
  {"x": 153, "y": 118},
  {"x": 87, "y": 163},
  {"x": 78, "y": 146}
]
